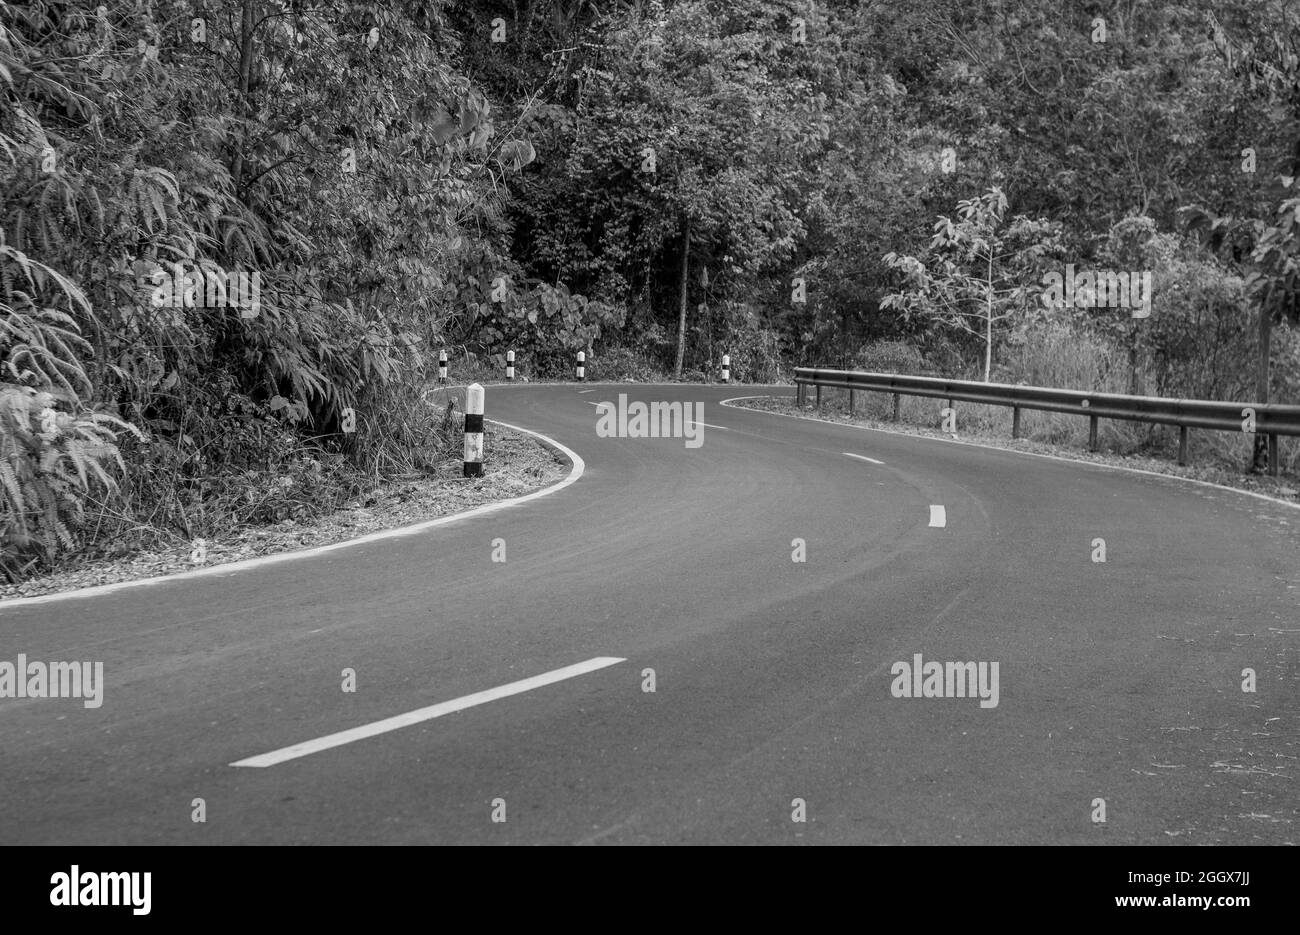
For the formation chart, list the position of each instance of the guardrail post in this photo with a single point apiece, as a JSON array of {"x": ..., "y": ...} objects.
[
  {"x": 1216, "y": 415},
  {"x": 510, "y": 365},
  {"x": 474, "y": 430}
]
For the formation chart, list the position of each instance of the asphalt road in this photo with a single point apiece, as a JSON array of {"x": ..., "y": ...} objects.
[{"x": 1118, "y": 681}]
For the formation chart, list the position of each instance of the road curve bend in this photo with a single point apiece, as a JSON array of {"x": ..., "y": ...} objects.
[{"x": 700, "y": 644}]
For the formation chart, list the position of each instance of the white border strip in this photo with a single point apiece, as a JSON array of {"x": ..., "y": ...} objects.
[
  {"x": 1012, "y": 451},
  {"x": 374, "y": 728},
  {"x": 578, "y": 466}
]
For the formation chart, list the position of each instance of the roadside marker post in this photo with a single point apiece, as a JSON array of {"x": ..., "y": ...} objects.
[{"x": 474, "y": 430}]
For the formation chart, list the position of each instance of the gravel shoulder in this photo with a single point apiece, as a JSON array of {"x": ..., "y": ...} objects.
[{"x": 516, "y": 464}]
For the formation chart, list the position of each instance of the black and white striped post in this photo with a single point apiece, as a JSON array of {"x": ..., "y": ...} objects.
[
  {"x": 510, "y": 365},
  {"x": 442, "y": 366},
  {"x": 474, "y": 430},
  {"x": 726, "y": 368},
  {"x": 582, "y": 366}
]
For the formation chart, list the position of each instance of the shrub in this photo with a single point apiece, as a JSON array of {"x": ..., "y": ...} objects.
[
  {"x": 890, "y": 357},
  {"x": 624, "y": 363},
  {"x": 53, "y": 450},
  {"x": 49, "y": 462},
  {"x": 755, "y": 353}
]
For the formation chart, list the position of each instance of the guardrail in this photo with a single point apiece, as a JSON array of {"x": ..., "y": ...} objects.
[{"x": 1270, "y": 419}]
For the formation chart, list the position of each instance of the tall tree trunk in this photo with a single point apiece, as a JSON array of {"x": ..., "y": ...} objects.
[
  {"x": 1133, "y": 360},
  {"x": 246, "y": 27},
  {"x": 1137, "y": 384},
  {"x": 988, "y": 324},
  {"x": 681, "y": 315},
  {"x": 844, "y": 338},
  {"x": 1259, "y": 458}
]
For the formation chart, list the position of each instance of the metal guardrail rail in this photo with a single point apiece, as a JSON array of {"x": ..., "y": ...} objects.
[{"x": 1270, "y": 420}]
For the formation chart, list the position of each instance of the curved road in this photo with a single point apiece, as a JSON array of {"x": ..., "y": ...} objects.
[{"x": 1118, "y": 681}]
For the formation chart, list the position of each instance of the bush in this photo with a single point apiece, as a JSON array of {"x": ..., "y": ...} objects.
[
  {"x": 1064, "y": 355},
  {"x": 755, "y": 353},
  {"x": 890, "y": 357},
  {"x": 53, "y": 450},
  {"x": 548, "y": 325},
  {"x": 50, "y": 460},
  {"x": 625, "y": 363}
]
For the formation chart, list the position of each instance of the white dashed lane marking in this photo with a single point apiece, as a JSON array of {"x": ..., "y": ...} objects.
[{"x": 426, "y": 714}]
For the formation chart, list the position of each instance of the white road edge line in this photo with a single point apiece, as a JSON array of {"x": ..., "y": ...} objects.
[
  {"x": 849, "y": 454},
  {"x": 578, "y": 466},
  {"x": 938, "y": 516},
  {"x": 580, "y": 392},
  {"x": 307, "y": 748},
  {"x": 1012, "y": 451}
]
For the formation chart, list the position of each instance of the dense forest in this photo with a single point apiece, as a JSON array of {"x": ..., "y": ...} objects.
[{"x": 236, "y": 234}]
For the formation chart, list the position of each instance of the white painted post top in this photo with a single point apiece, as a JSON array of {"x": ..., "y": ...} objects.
[{"x": 474, "y": 399}]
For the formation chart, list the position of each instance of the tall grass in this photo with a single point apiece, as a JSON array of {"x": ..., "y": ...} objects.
[{"x": 1065, "y": 357}]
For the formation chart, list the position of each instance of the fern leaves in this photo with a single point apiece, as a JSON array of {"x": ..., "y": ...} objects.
[{"x": 50, "y": 461}]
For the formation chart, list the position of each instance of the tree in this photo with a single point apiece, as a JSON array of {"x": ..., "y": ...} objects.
[
  {"x": 687, "y": 145},
  {"x": 332, "y": 149},
  {"x": 975, "y": 272},
  {"x": 1268, "y": 245}
]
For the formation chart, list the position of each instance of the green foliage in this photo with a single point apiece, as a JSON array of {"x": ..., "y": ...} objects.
[
  {"x": 977, "y": 271},
  {"x": 1199, "y": 335},
  {"x": 625, "y": 364},
  {"x": 755, "y": 348},
  {"x": 398, "y": 183},
  {"x": 361, "y": 182},
  {"x": 890, "y": 357},
  {"x": 54, "y": 452},
  {"x": 51, "y": 461},
  {"x": 691, "y": 128},
  {"x": 550, "y": 322}
]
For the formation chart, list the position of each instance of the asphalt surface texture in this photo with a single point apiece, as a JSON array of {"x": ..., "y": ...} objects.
[{"x": 774, "y": 715}]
